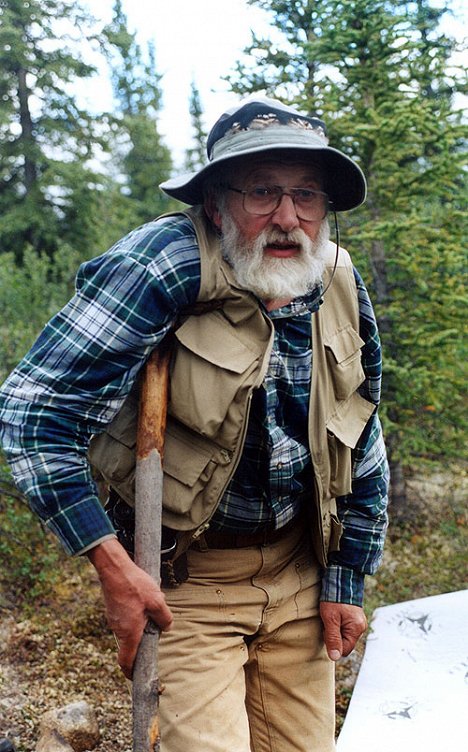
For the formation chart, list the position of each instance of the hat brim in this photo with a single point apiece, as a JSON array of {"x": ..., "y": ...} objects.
[{"x": 343, "y": 179}]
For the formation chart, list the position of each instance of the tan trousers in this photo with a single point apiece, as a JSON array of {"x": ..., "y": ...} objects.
[{"x": 244, "y": 669}]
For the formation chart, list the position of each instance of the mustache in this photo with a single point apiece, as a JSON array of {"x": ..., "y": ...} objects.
[{"x": 295, "y": 237}]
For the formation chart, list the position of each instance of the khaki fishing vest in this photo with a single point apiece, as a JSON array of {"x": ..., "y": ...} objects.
[{"x": 221, "y": 355}]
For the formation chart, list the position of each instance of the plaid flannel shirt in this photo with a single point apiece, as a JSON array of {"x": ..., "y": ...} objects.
[{"x": 77, "y": 374}]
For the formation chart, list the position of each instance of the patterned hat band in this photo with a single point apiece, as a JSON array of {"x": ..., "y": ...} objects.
[
  {"x": 262, "y": 136},
  {"x": 266, "y": 126}
]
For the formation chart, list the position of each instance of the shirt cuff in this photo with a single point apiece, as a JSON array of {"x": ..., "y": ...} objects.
[
  {"x": 94, "y": 544},
  {"x": 342, "y": 585},
  {"x": 81, "y": 525}
]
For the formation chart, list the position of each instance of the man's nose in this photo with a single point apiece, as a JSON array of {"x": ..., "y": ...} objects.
[{"x": 285, "y": 215}]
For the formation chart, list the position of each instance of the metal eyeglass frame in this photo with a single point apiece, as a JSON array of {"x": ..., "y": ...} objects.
[{"x": 292, "y": 196}]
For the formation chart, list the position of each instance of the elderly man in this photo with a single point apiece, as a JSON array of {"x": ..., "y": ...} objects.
[{"x": 275, "y": 472}]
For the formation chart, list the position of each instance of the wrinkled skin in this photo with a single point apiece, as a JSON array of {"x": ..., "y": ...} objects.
[
  {"x": 131, "y": 597},
  {"x": 343, "y": 626}
]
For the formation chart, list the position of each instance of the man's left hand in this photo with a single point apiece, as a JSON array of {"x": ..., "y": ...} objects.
[{"x": 343, "y": 626}]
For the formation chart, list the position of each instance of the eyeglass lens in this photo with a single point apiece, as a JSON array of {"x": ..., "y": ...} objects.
[{"x": 310, "y": 205}]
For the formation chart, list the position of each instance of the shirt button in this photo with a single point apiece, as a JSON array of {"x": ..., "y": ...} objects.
[{"x": 279, "y": 465}]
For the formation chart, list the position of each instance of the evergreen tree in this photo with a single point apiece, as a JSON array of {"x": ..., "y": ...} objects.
[
  {"x": 196, "y": 155},
  {"x": 379, "y": 74},
  {"x": 145, "y": 161},
  {"x": 45, "y": 137}
]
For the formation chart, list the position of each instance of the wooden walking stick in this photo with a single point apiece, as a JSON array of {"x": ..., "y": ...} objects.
[{"x": 148, "y": 514}]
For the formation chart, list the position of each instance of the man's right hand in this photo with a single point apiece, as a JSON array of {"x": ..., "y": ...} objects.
[{"x": 131, "y": 597}]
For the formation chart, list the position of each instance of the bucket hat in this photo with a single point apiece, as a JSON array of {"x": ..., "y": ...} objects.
[{"x": 262, "y": 126}]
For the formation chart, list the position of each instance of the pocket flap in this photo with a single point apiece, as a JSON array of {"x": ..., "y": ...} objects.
[
  {"x": 344, "y": 343},
  {"x": 183, "y": 460},
  {"x": 350, "y": 418},
  {"x": 202, "y": 335}
]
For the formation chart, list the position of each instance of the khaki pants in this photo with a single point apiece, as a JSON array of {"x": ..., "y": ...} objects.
[{"x": 244, "y": 668}]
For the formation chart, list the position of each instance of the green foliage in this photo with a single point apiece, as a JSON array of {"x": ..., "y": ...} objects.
[
  {"x": 29, "y": 556},
  {"x": 53, "y": 192},
  {"x": 29, "y": 295},
  {"x": 56, "y": 210},
  {"x": 143, "y": 158},
  {"x": 45, "y": 137},
  {"x": 425, "y": 368},
  {"x": 382, "y": 77}
]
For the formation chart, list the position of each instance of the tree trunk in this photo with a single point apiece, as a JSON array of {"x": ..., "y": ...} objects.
[
  {"x": 27, "y": 132},
  {"x": 398, "y": 496}
]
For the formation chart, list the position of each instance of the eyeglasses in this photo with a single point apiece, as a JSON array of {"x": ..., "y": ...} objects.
[{"x": 311, "y": 206}]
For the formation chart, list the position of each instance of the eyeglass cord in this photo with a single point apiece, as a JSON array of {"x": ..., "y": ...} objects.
[{"x": 337, "y": 240}]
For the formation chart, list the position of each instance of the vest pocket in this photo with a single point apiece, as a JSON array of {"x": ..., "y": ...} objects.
[
  {"x": 113, "y": 452},
  {"x": 344, "y": 427},
  {"x": 340, "y": 466},
  {"x": 343, "y": 349},
  {"x": 332, "y": 530},
  {"x": 188, "y": 468},
  {"x": 211, "y": 368}
]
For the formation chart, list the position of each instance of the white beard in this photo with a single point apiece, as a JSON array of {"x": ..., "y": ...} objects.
[{"x": 272, "y": 278}]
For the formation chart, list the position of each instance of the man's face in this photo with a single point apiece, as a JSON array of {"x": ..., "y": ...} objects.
[
  {"x": 277, "y": 255},
  {"x": 271, "y": 173}
]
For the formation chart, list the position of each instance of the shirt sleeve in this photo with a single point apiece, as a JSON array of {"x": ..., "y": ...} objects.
[
  {"x": 363, "y": 512},
  {"x": 84, "y": 363}
]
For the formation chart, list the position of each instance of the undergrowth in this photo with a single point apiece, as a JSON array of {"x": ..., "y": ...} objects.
[{"x": 29, "y": 555}]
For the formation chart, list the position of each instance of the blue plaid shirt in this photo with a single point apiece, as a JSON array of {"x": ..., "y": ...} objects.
[{"x": 81, "y": 368}]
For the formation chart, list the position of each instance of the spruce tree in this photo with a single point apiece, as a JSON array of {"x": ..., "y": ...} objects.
[
  {"x": 45, "y": 137},
  {"x": 195, "y": 156},
  {"x": 144, "y": 159}
]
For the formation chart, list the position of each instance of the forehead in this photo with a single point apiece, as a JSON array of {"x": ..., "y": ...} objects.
[{"x": 279, "y": 171}]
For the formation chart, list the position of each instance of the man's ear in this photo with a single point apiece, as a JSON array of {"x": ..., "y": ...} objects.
[{"x": 212, "y": 211}]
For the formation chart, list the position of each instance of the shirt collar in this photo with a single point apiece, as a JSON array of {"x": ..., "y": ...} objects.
[{"x": 306, "y": 303}]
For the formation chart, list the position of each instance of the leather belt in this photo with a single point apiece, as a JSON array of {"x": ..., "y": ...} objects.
[{"x": 216, "y": 539}]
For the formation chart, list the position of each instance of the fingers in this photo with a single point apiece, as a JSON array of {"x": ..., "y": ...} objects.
[
  {"x": 128, "y": 648},
  {"x": 343, "y": 626},
  {"x": 131, "y": 597},
  {"x": 128, "y": 624},
  {"x": 332, "y": 630},
  {"x": 131, "y": 616},
  {"x": 352, "y": 632},
  {"x": 159, "y": 612}
]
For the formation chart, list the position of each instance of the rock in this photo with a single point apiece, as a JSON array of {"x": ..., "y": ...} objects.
[
  {"x": 7, "y": 746},
  {"x": 74, "y": 727},
  {"x": 52, "y": 741}
]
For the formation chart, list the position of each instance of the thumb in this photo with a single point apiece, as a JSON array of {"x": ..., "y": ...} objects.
[{"x": 331, "y": 619}]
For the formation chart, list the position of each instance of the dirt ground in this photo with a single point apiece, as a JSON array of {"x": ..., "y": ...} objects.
[
  {"x": 58, "y": 649},
  {"x": 68, "y": 655}
]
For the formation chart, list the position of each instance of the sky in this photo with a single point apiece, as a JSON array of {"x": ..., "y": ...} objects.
[{"x": 198, "y": 40}]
